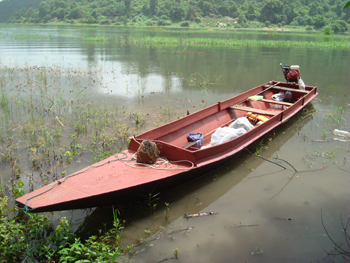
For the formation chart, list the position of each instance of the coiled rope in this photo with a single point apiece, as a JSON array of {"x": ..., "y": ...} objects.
[{"x": 161, "y": 164}]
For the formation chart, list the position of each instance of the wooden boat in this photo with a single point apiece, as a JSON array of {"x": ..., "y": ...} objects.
[{"x": 119, "y": 178}]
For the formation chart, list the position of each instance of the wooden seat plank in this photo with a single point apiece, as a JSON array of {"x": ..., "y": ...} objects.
[
  {"x": 277, "y": 102},
  {"x": 244, "y": 108},
  {"x": 290, "y": 89}
]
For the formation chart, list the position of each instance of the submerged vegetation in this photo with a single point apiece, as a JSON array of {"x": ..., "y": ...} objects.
[{"x": 46, "y": 131}]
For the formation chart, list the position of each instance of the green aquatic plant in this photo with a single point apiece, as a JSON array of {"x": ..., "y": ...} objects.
[
  {"x": 231, "y": 42},
  {"x": 95, "y": 39},
  {"x": 166, "y": 211},
  {"x": 335, "y": 115},
  {"x": 151, "y": 201},
  {"x": 176, "y": 253},
  {"x": 324, "y": 134}
]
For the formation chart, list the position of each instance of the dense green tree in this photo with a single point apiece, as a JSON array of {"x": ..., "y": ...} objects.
[
  {"x": 250, "y": 14},
  {"x": 59, "y": 4},
  {"x": 233, "y": 10},
  {"x": 339, "y": 26},
  {"x": 152, "y": 7},
  {"x": 191, "y": 13},
  {"x": 223, "y": 10},
  {"x": 313, "y": 10},
  {"x": 127, "y": 4},
  {"x": 338, "y": 7},
  {"x": 320, "y": 10},
  {"x": 271, "y": 11},
  {"x": 60, "y": 13},
  {"x": 208, "y": 8},
  {"x": 177, "y": 12},
  {"x": 326, "y": 8},
  {"x": 319, "y": 21},
  {"x": 44, "y": 11},
  {"x": 29, "y": 12},
  {"x": 75, "y": 13}
]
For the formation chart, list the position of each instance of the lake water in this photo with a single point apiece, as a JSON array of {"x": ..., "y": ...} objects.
[{"x": 265, "y": 213}]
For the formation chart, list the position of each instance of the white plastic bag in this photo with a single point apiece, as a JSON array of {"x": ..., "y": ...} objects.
[
  {"x": 242, "y": 122},
  {"x": 278, "y": 96},
  {"x": 233, "y": 133},
  {"x": 301, "y": 84},
  {"x": 225, "y": 134}
]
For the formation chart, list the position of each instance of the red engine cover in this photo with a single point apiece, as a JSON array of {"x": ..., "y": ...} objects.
[{"x": 293, "y": 74}]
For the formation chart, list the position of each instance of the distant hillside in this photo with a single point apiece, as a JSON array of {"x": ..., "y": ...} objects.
[
  {"x": 225, "y": 13},
  {"x": 10, "y": 7}
]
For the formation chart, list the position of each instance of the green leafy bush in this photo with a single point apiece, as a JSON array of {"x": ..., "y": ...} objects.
[
  {"x": 309, "y": 28},
  {"x": 105, "y": 22},
  {"x": 185, "y": 24},
  {"x": 327, "y": 30}
]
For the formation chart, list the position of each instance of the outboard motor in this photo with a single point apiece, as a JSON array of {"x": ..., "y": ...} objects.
[{"x": 292, "y": 74}]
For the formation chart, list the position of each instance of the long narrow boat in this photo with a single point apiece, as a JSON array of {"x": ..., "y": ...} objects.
[{"x": 119, "y": 178}]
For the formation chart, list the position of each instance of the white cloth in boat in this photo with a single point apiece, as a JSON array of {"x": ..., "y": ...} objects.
[{"x": 237, "y": 128}]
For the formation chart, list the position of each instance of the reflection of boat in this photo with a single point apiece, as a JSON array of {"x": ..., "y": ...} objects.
[{"x": 116, "y": 179}]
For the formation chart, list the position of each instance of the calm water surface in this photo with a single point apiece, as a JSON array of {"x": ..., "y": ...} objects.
[{"x": 266, "y": 214}]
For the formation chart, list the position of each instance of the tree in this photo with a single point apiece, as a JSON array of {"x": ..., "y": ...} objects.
[
  {"x": 233, "y": 10},
  {"x": 223, "y": 10},
  {"x": 339, "y": 26},
  {"x": 177, "y": 12},
  {"x": 207, "y": 8},
  {"x": 313, "y": 10},
  {"x": 152, "y": 7},
  {"x": 127, "y": 5},
  {"x": 75, "y": 13},
  {"x": 44, "y": 10},
  {"x": 30, "y": 12},
  {"x": 191, "y": 13},
  {"x": 60, "y": 13},
  {"x": 272, "y": 11},
  {"x": 319, "y": 21},
  {"x": 250, "y": 13}
]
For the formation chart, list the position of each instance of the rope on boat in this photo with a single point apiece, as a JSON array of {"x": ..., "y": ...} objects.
[
  {"x": 161, "y": 164},
  {"x": 27, "y": 209}
]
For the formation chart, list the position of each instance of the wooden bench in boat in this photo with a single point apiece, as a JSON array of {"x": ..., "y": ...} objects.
[
  {"x": 274, "y": 86},
  {"x": 277, "y": 102},
  {"x": 259, "y": 111},
  {"x": 290, "y": 89}
]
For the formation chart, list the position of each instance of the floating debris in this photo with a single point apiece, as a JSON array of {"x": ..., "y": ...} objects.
[
  {"x": 200, "y": 214},
  {"x": 257, "y": 251}
]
